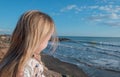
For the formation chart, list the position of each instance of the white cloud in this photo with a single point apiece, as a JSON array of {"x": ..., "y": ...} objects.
[
  {"x": 103, "y": 14},
  {"x": 110, "y": 8},
  {"x": 106, "y": 1},
  {"x": 94, "y": 7},
  {"x": 108, "y": 13},
  {"x": 105, "y": 8},
  {"x": 83, "y": 7},
  {"x": 70, "y": 7},
  {"x": 114, "y": 16},
  {"x": 112, "y": 23},
  {"x": 95, "y": 18},
  {"x": 5, "y": 30},
  {"x": 106, "y": 19}
]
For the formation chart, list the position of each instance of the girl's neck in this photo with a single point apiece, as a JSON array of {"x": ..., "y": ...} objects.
[{"x": 37, "y": 57}]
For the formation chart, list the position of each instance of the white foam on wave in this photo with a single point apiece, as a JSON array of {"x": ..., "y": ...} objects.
[{"x": 107, "y": 63}]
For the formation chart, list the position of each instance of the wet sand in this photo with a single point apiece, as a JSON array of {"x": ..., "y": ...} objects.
[{"x": 63, "y": 68}]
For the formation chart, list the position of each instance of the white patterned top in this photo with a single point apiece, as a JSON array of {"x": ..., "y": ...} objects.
[{"x": 33, "y": 69}]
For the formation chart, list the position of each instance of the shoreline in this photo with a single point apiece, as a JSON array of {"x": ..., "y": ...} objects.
[
  {"x": 56, "y": 67},
  {"x": 60, "y": 67}
]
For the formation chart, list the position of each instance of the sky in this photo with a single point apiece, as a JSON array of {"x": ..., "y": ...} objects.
[{"x": 95, "y": 18}]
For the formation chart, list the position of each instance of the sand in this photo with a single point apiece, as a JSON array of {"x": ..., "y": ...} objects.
[{"x": 60, "y": 67}]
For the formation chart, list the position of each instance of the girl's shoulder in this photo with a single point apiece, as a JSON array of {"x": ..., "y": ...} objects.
[{"x": 33, "y": 68}]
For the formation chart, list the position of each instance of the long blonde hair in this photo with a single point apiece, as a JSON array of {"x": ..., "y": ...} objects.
[{"x": 31, "y": 29}]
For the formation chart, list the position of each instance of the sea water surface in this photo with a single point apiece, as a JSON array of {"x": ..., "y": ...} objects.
[{"x": 97, "y": 56}]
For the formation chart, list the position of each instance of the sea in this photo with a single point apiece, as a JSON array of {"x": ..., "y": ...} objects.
[{"x": 96, "y": 56}]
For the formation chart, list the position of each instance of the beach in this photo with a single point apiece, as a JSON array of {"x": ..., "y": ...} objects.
[
  {"x": 53, "y": 66},
  {"x": 60, "y": 67},
  {"x": 80, "y": 57},
  {"x": 96, "y": 56}
]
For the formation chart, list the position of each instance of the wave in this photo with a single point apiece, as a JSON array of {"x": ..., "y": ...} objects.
[
  {"x": 82, "y": 61},
  {"x": 97, "y": 49},
  {"x": 73, "y": 52},
  {"x": 95, "y": 43},
  {"x": 104, "y": 51}
]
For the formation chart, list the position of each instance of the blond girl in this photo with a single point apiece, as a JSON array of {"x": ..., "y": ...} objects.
[{"x": 31, "y": 35}]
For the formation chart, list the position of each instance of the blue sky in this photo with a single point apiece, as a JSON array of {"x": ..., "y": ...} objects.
[{"x": 72, "y": 17}]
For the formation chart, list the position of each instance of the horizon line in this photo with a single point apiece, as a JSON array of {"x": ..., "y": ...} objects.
[{"x": 70, "y": 35}]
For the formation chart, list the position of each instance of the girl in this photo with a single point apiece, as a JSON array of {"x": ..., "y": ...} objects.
[{"x": 30, "y": 37}]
